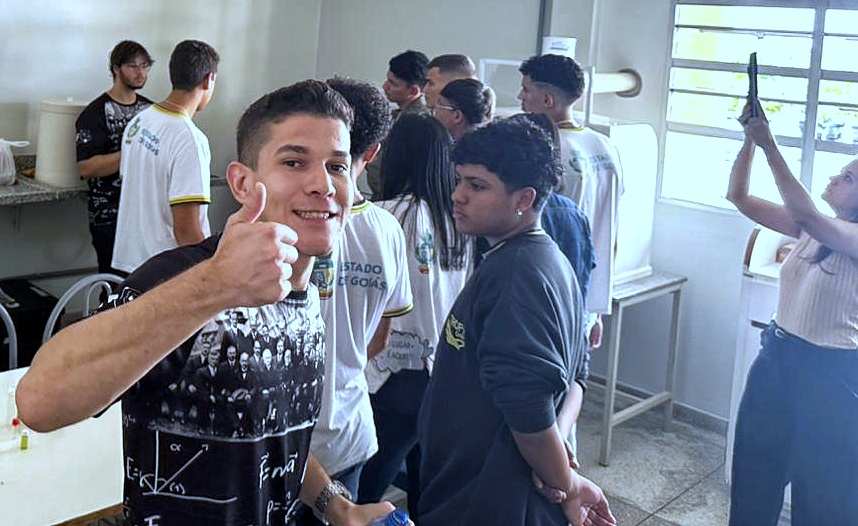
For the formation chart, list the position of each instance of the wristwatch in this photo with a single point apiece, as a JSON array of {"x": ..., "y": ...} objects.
[{"x": 334, "y": 488}]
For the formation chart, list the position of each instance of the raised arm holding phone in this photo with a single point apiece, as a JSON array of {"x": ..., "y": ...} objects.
[{"x": 798, "y": 419}]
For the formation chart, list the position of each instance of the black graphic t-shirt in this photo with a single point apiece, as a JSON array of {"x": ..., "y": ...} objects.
[
  {"x": 99, "y": 130},
  {"x": 219, "y": 431}
]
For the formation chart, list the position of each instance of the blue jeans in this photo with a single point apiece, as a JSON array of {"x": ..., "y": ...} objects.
[
  {"x": 350, "y": 477},
  {"x": 798, "y": 423}
]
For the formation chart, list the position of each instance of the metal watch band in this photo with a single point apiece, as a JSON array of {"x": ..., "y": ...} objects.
[{"x": 334, "y": 488}]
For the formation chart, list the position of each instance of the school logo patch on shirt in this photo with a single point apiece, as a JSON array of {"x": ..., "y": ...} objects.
[
  {"x": 454, "y": 333},
  {"x": 424, "y": 252},
  {"x": 323, "y": 276},
  {"x": 133, "y": 130},
  {"x": 577, "y": 164}
]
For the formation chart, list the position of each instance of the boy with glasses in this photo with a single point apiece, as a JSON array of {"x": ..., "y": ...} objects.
[{"x": 99, "y": 133}]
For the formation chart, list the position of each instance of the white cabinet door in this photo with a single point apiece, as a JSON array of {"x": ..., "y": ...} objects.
[{"x": 758, "y": 303}]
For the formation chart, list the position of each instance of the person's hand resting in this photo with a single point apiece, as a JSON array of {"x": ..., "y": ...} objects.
[
  {"x": 586, "y": 504},
  {"x": 552, "y": 494},
  {"x": 595, "y": 337}
]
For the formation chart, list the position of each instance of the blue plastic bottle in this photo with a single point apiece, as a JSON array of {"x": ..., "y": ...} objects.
[{"x": 394, "y": 518}]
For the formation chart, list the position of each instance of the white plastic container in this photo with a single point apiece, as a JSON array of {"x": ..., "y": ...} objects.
[{"x": 56, "y": 162}]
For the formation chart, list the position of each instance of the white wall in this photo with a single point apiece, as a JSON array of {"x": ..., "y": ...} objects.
[
  {"x": 61, "y": 49},
  {"x": 358, "y": 37}
]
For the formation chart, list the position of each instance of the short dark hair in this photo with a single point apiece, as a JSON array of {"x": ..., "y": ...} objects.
[
  {"x": 191, "y": 62},
  {"x": 543, "y": 121},
  {"x": 551, "y": 130},
  {"x": 461, "y": 64},
  {"x": 308, "y": 97},
  {"x": 559, "y": 72},
  {"x": 410, "y": 66},
  {"x": 372, "y": 117},
  {"x": 516, "y": 150},
  {"x": 126, "y": 51},
  {"x": 474, "y": 99}
]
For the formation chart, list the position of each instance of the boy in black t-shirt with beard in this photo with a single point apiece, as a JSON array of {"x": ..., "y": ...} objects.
[{"x": 99, "y": 130}]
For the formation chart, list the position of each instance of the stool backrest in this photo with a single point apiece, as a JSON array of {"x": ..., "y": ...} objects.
[
  {"x": 87, "y": 285},
  {"x": 13, "y": 337}
]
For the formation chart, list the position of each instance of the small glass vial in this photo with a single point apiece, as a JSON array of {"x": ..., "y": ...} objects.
[{"x": 21, "y": 433}]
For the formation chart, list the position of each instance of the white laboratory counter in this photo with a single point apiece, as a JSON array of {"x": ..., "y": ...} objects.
[{"x": 66, "y": 474}]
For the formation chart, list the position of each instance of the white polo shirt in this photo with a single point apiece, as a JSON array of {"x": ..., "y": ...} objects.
[{"x": 165, "y": 161}]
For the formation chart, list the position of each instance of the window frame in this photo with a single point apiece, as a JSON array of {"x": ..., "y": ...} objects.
[{"x": 813, "y": 73}]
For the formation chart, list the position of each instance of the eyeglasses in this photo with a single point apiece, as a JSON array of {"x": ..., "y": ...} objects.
[
  {"x": 144, "y": 66},
  {"x": 444, "y": 106}
]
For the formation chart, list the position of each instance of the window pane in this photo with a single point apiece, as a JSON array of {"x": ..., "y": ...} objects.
[
  {"x": 826, "y": 164},
  {"x": 705, "y": 110},
  {"x": 834, "y": 91},
  {"x": 785, "y": 119},
  {"x": 721, "y": 112},
  {"x": 697, "y": 169},
  {"x": 722, "y": 46},
  {"x": 724, "y": 82},
  {"x": 777, "y": 18},
  {"x": 841, "y": 21},
  {"x": 838, "y": 53},
  {"x": 837, "y": 124}
]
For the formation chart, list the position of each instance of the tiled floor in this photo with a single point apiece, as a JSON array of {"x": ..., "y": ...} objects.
[{"x": 656, "y": 477}]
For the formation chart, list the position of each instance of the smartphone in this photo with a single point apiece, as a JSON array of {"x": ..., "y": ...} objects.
[{"x": 752, "y": 83}]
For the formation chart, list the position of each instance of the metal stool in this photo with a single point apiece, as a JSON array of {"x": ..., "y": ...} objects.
[
  {"x": 13, "y": 337},
  {"x": 97, "y": 282}
]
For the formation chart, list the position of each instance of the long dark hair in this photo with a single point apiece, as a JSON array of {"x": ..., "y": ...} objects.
[
  {"x": 824, "y": 251},
  {"x": 416, "y": 166}
]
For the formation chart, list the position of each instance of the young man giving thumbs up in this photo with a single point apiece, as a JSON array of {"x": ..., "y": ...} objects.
[{"x": 205, "y": 444}]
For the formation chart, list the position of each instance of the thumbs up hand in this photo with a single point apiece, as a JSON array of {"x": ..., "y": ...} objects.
[{"x": 254, "y": 258}]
